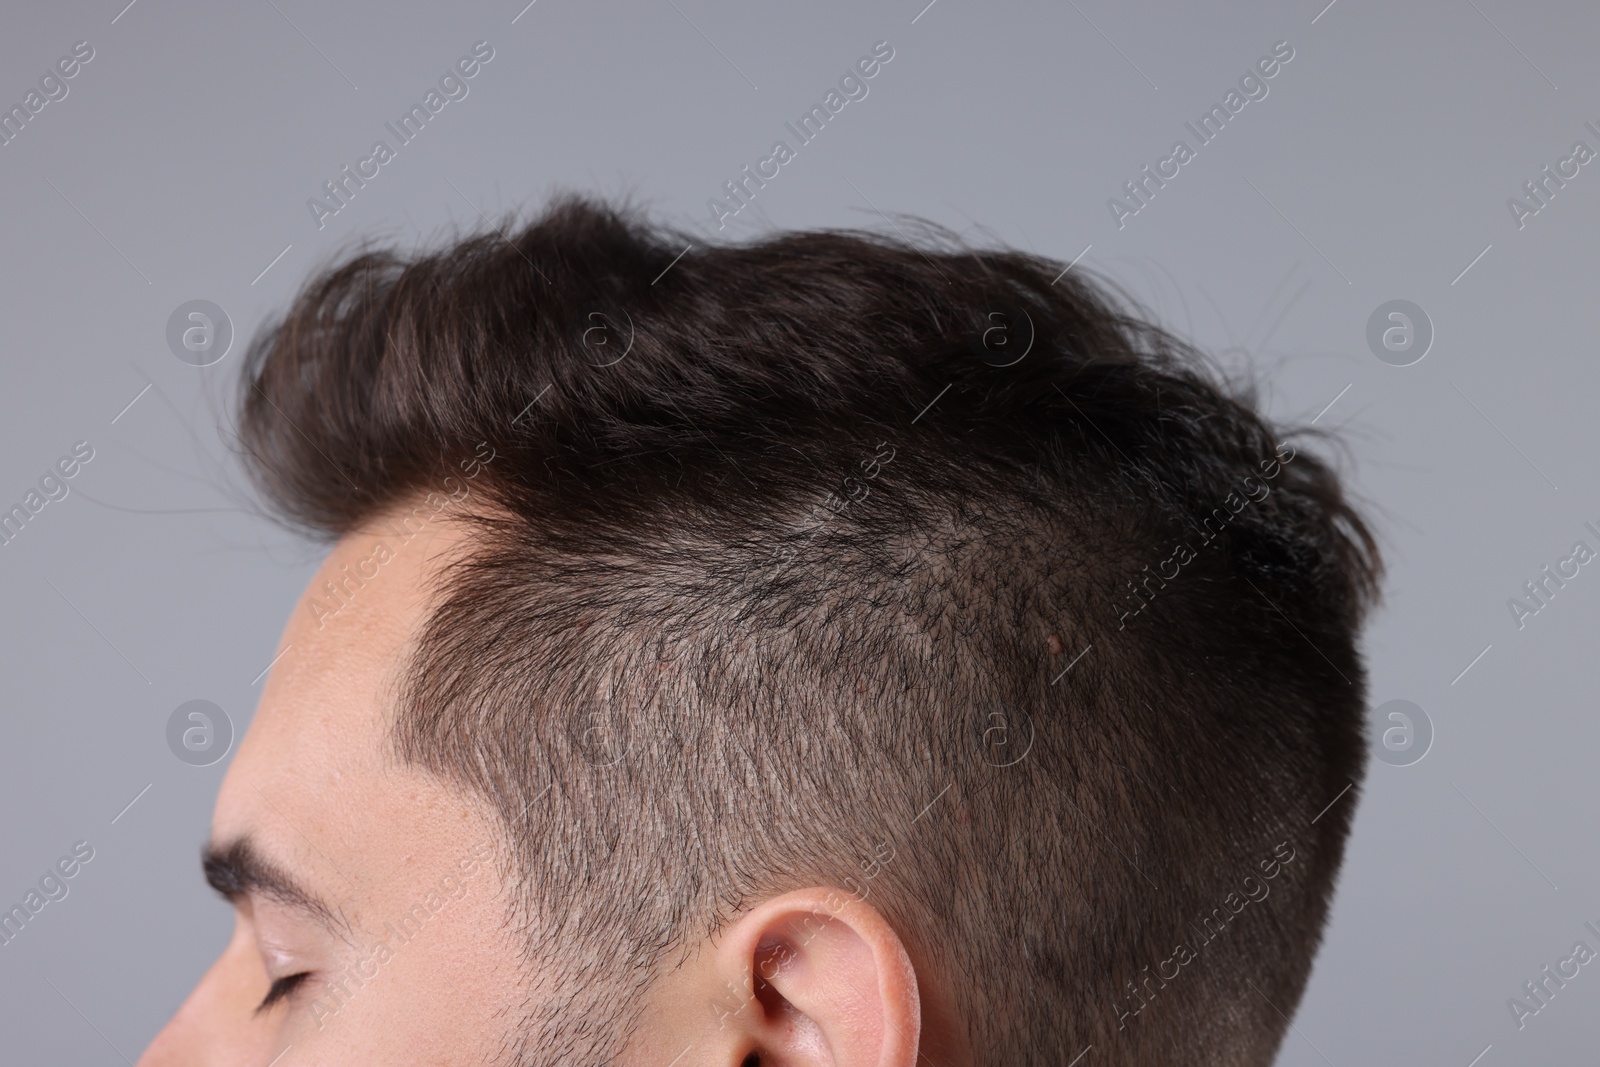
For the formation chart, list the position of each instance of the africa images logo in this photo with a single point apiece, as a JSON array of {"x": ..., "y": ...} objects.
[
  {"x": 342, "y": 189},
  {"x": 52, "y": 887},
  {"x": 851, "y": 87},
  {"x": 1542, "y": 588},
  {"x": 52, "y": 87},
  {"x": 1252, "y": 86},
  {"x": 1250, "y": 491}
]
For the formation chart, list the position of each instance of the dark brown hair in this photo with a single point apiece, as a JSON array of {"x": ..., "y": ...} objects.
[{"x": 922, "y": 569}]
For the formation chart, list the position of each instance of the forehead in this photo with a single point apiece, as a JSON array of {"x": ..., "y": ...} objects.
[{"x": 314, "y": 775}]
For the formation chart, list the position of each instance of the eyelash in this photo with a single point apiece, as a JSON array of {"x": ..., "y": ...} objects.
[{"x": 281, "y": 988}]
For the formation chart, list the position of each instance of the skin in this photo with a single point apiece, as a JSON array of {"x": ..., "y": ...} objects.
[
  {"x": 313, "y": 787},
  {"x": 352, "y": 843}
]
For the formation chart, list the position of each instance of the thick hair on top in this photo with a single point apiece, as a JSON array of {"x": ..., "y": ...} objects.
[{"x": 922, "y": 570}]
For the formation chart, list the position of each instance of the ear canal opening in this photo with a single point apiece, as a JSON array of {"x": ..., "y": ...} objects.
[{"x": 772, "y": 957}]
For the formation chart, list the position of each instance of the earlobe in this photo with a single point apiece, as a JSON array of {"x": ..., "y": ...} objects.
[{"x": 827, "y": 981}]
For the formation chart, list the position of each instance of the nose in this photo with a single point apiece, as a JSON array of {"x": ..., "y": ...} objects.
[{"x": 216, "y": 1026}]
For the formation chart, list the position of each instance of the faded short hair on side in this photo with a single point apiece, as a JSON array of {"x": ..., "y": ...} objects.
[{"x": 923, "y": 569}]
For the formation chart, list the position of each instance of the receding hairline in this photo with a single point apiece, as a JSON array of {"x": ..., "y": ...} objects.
[{"x": 470, "y": 359}]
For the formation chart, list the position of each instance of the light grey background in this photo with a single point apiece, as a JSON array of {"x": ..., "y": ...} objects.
[{"x": 1378, "y": 167}]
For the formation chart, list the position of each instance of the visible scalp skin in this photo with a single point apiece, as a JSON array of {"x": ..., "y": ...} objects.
[{"x": 782, "y": 696}]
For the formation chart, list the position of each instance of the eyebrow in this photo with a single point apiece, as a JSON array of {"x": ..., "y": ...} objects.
[{"x": 237, "y": 869}]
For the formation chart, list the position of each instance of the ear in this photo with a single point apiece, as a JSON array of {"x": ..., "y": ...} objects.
[{"x": 815, "y": 977}]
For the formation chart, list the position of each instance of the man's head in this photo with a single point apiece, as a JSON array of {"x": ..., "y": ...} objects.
[{"x": 827, "y": 650}]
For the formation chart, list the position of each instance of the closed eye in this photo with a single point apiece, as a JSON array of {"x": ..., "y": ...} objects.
[{"x": 280, "y": 989}]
